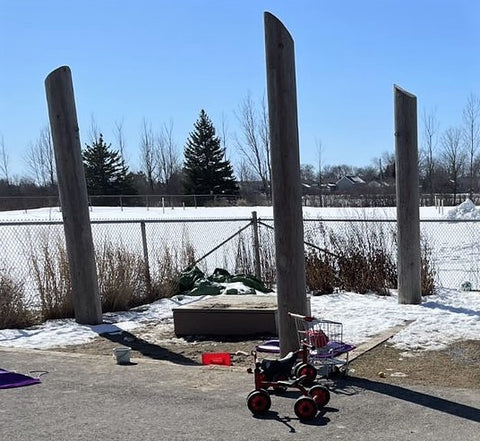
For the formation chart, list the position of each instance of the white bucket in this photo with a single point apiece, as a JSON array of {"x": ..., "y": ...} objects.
[{"x": 122, "y": 355}]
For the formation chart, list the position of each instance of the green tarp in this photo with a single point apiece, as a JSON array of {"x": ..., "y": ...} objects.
[{"x": 195, "y": 282}]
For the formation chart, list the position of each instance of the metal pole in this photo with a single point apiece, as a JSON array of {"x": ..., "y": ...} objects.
[
  {"x": 148, "y": 279},
  {"x": 407, "y": 181},
  {"x": 256, "y": 246},
  {"x": 73, "y": 196},
  {"x": 286, "y": 186}
]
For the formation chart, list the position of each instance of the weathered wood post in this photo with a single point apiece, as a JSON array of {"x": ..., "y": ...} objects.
[
  {"x": 286, "y": 186},
  {"x": 73, "y": 196},
  {"x": 407, "y": 181}
]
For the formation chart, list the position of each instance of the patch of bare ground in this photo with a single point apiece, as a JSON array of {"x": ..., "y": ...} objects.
[{"x": 456, "y": 366}]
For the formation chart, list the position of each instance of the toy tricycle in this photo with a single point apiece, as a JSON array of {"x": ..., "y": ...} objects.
[{"x": 282, "y": 374}]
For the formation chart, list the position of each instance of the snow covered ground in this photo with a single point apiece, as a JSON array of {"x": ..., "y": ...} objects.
[{"x": 441, "y": 319}]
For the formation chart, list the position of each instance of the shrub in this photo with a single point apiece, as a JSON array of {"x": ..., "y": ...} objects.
[
  {"x": 122, "y": 278},
  {"x": 14, "y": 312},
  {"x": 320, "y": 272},
  {"x": 361, "y": 258},
  {"x": 428, "y": 269},
  {"x": 166, "y": 275},
  {"x": 52, "y": 277},
  {"x": 365, "y": 257}
]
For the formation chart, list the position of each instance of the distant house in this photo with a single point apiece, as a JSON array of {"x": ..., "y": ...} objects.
[{"x": 347, "y": 182}]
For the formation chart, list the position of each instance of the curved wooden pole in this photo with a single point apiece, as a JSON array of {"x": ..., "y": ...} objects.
[
  {"x": 73, "y": 196},
  {"x": 286, "y": 185}
]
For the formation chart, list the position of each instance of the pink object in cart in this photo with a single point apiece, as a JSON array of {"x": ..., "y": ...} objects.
[{"x": 317, "y": 338}]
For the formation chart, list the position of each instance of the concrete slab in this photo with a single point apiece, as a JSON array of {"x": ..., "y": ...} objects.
[{"x": 227, "y": 315}]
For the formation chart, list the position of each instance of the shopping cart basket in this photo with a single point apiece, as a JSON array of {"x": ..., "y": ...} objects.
[{"x": 324, "y": 339}]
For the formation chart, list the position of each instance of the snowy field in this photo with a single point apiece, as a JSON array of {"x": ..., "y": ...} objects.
[{"x": 446, "y": 317}]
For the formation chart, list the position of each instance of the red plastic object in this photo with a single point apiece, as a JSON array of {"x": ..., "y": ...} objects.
[
  {"x": 317, "y": 338},
  {"x": 222, "y": 358}
]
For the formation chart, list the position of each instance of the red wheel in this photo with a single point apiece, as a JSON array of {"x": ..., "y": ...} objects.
[
  {"x": 308, "y": 370},
  {"x": 305, "y": 408},
  {"x": 258, "y": 401},
  {"x": 320, "y": 394}
]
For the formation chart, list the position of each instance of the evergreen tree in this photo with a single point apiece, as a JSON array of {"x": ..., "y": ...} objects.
[
  {"x": 206, "y": 170},
  {"x": 105, "y": 170}
]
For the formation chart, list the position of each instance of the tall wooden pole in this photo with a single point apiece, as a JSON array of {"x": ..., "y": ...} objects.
[
  {"x": 407, "y": 181},
  {"x": 73, "y": 196},
  {"x": 286, "y": 186}
]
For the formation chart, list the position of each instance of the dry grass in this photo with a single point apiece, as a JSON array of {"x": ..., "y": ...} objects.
[
  {"x": 124, "y": 280},
  {"x": 245, "y": 259},
  {"x": 121, "y": 278},
  {"x": 320, "y": 274},
  {"x": 52, "y": 278},
  {"x": 14, "y": 311},
  {"x": 360, "y": 258},
  {"x": 428, "y": 269}
]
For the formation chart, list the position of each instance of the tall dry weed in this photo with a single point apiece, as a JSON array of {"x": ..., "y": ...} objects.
[
  {"x": 52, "y": 278},
  {"x": 121, "y": 278},
  {"x": 14, "y": 309}
]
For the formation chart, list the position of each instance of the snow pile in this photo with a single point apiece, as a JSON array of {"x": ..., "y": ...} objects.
[
  {"x": 466, "y": 210},
  {"x": 440, "y": 320}
]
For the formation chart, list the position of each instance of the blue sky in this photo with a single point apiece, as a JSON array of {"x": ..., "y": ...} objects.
[{"x": 163, "y": 61}]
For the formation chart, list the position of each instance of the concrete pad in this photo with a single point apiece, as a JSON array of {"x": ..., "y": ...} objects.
[{"x": 227, "y": 315}]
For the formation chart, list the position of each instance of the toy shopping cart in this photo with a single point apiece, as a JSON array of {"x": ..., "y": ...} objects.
[{"x": 324, "y": 338}]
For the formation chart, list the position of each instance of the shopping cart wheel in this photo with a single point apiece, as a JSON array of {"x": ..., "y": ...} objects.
[
  {"x": 308, "y": 370},
  {"x": 305, "y": 408},
  {"x": 320, "y": 394},
  {"x": 258, "y": 401}
]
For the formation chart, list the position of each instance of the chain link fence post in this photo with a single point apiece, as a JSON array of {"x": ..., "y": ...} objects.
[
  {"x": 148, "y": 279},
  {"x": 256, "y": 246}
]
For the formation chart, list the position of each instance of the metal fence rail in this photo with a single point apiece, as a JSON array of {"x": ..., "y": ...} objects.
[{"x": 243, "y": 245}]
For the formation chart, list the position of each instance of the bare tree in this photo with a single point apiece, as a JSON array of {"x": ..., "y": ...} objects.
[
  {"x": 335, "y": 172},
  {"x": 264, "y": 129},
  {"x": 471, "y": 135},
  {"x": 453, "y": 156},
  {"x": 120, "y": 138},
  {"x": 307, "y": 173},
  {"x": 149, "y": 159},
  {"x": 168, "y": 158},
  {"x": 254, "y": 144},
  {"x": 40, "y": 158},
  {"x": 428, "y": 153},
  {"x": 4, "y": 161},
  {"x": 94, "y": 130},
  {"x": 245, "y": 173},
  {"x": 223, "y": 134}
]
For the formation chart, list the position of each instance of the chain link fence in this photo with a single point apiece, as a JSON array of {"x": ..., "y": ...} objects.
[{"x": 239, "y": 245}]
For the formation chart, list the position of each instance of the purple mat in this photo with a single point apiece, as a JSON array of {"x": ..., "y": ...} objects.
[
  {"x": 12, "y": 379},
  {"x": 335, "y": 348}
]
